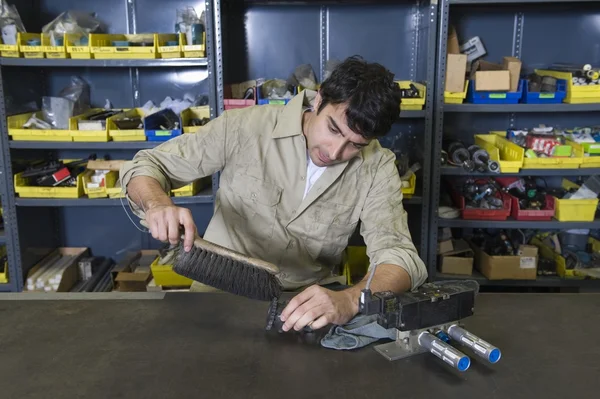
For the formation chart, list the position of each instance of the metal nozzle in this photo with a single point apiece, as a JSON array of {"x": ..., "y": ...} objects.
[
  {"x": 442, "y": 350},
  {"x": 478, "y": 345}
]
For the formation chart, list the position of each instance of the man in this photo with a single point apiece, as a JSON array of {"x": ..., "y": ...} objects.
[{"x": 295, "y": 182}]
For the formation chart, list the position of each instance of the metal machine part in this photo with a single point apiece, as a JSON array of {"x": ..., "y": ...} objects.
[{"x": 427, "y": 321}]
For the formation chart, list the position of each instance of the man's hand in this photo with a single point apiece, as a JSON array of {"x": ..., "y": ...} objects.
[
  {"x": 164, "y": 222},
  {"x": 317, "y": 307}
]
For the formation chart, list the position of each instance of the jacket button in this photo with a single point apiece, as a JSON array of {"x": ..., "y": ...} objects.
[{"x": 253, "y": 195}]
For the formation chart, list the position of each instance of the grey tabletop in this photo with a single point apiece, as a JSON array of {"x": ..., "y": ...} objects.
[{"x": 215, "y": 346}]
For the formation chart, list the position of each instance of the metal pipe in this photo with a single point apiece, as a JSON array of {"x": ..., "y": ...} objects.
[
  {"x": 442, "y": 350},
  {"x": 479, "y": 346}
]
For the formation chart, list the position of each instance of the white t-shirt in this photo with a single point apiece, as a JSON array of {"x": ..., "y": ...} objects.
[{"x": 313, "y": 172}]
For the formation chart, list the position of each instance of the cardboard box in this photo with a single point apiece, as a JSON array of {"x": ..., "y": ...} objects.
[
  {"x": 518, "y": 267},
  {"x": 458, "y": 261},
  {"x": 456, "y": 69},
  {"x": 70, "y": 275},
  {"x": 492, "y": 81},
  {"x": 445, "y": 247},
  {"x": 513, "y": 65},
  {"x": 126, "y": 277},
  {"x": 453, "y": 45}
]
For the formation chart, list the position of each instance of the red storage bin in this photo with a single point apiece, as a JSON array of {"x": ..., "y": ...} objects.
[
  {"x": 523, "y": 214},
  {"x": 483, "y": 214}
]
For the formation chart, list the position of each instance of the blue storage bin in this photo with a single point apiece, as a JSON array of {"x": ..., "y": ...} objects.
[
  {"x": 152, "y": 125},
  {"x": 531, "y": 97},
  {"x": 494, "y": 97},
  {"x": 264, "y": 101}
]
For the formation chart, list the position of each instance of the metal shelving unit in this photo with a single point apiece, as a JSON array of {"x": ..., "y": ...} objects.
[
  {"x": 518, "y": 108},
  {"x": 92, "y": 63},
  {"x": 36, "y": 226},
  {"x": 540, "y": 282},
  {"x": 518, "y": 224},
  {"x": 71, "y": 145},
  {"x": 203, "y": 197},
  {"x": 502, "y": 25},
  {"x": 455, "y": 171}
]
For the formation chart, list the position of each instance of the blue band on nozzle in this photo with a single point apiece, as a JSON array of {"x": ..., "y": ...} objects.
[
  {"x": 464, "y": 363},
  {"x": 494, "y": 355}
]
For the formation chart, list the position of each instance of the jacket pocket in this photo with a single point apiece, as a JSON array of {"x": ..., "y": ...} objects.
[
  {"x": 332, "y": 225},
  {"x": 255, "y": 201}
]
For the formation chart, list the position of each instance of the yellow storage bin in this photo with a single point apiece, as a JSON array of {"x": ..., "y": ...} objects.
[
  {"x": 575, "y": 210},
  {"x": 356, "y": 264},
  {"x": 53, "y": 51},
  {"x": 193, "y": 113},
  {"x": 572, "y": 162},
  {"x": 587, "y": 161},
  {"x": 17, "y": 132},
  {"x": 107, "y": 46},
  {"x": 88, "y": 135},
  {"x": 191, "y": 189},
  {"x": 24, "y": 190},
  {"x": 412, "y": 104},
  {"x": 117, "y": 134},
  {"x": 458, "y": 97},
  {"x": 169, "y": 45},
  {"x": 75, "y": 48},
  {"x": 10, "y": 50},
  {"x": 509, "y": 155},
  {"x": 166, "y": 277},
  {"x": 575, "y": 94},
  {"x": 4, "y": 268},
  {"x": 547, "y": 252},
  {"x": 407, "y": 192},
  {"x": 108, "y": 190},
  {"x": 193, "y": 50},
  {"x": 27, "y": 49}
]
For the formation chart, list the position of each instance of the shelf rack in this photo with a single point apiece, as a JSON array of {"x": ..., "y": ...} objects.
[
  {"x": 32, "y": 224},
  {"x": 507, "y": 21}
]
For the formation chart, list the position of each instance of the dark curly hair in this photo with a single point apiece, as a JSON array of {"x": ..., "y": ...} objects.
[{"x": 369, "y": 92}]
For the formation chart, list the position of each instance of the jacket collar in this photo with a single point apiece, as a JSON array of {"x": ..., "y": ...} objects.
[{"x": 289, "y": 122}]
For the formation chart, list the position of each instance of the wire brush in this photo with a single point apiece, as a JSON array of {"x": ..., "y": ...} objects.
[{"x": 225, "y": 269}]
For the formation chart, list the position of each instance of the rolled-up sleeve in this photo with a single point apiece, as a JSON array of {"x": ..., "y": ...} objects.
[
  {"x": 384, "y": 224},
  {"x": 181, "y": 160}
]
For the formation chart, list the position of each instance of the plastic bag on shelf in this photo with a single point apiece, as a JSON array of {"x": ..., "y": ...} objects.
[
  {"x": 71, "y": 101},
  {"x": 275, "y": 89},
  {"x": 187, "y": 22},
  {"x": 73, "y": 22},
  {"x": 305, "y": 77},
  {"x": 10, "y": 23}
]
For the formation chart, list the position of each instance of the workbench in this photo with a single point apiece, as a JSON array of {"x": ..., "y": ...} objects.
[{"x": 215, "y": 346}]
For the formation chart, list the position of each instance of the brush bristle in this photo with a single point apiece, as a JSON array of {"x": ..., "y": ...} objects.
[{"x": 226, "y": 274}]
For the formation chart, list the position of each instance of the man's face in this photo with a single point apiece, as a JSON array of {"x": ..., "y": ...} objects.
[{"x": 328, "y": 137}]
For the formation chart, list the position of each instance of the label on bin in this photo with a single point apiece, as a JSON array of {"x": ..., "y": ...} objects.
[
  {"x": 527, "y": 262},
  {"x": 497, "y": 95},
  {"x": 80, "y": 49},
  {"x": 547, "y": 95},
  {"x": 162, "y": 133}
]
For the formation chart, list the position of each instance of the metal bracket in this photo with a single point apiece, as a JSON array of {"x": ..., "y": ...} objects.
[
  {"x": 518, "y": 34},
  {"x": 324, "y": 54}
]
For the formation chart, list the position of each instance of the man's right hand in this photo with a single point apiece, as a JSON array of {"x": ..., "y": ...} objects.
[{"x": 164, "y": 222}]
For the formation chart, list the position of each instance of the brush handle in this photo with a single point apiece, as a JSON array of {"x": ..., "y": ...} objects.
[{"x": 208, "y": 246}]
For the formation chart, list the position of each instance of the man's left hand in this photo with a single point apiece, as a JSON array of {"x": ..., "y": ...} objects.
[{"x": 317, "y": 307}]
